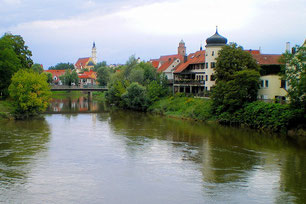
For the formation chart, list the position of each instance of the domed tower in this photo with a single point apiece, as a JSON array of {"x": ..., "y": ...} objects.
[
  {"x": 181, "y": 50},
  {"x": 94, "y": 53},
  {"x": 213, "y": 46}
]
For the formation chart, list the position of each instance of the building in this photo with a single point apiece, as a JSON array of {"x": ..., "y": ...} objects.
[
  {"x": 87, "y": 62},
  {"x": 56, "y": 75},
  {"x": 87, "y": 78}
]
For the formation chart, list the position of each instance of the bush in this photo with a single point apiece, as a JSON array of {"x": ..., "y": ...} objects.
[
  {"x": 135, "y": 97},
  {"x": 30, "y": 93}
]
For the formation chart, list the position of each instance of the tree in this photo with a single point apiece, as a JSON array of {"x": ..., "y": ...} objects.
[
  {"x": 136, "y": 75},
  {"x": 69, "y": 77},
  {"x": 62, "y": 66},
  {"x": 49, "y": 77},
  {"x": 155, "y": 90},
  {"x": 37, "y": 68},
  {"x": 135, "y": 97},
  {"x": 30, "y": 93},
  {"x": 19, "y": 47},
  {"x": 295, "y": 75},
  {"x": 103, "y": 75},
  {"x": 99, "y": 64},
  {"x": 14, "y": 55},
  {"x": 232, "y": 58},
  {"x": 237, "y": 78}
]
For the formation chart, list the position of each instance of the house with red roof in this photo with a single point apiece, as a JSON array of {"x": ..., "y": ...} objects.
[
  {"x": 56, "y": 75},
  {"x": 87, "y": 78}
]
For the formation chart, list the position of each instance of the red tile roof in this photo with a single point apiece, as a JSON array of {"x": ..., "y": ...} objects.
[
  {"x": 155, "y": 63},
  {"x": 164, "y": 66},
  {"x": 263, "y": 59},
  {"x": 253, "y": 52},
  {"x": 194, "y": 58},
  {"x": 56, "y": 73},
  {"x": 88, "y": 75},
  {"x": 81, "y": 63}
]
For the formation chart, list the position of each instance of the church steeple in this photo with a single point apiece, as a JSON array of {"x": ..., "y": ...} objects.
[
  {"x": 181, "y": 50},
  {"x": 94, "y": 53}
]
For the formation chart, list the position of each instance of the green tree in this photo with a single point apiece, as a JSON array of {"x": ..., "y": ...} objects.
[
  {"x": 30, "y": 93},
  {"x": 136, "y": 75},
  {"x": 103, "y": 75},
  {"x": 135, "y": 97},
  {"x": 232, "y": 58},
  {"x": 49, "y": 77},
  {"x": 14, "y": 55},
  {"x": 37, "y": 68},
  {"x": 69, "y": 77},
  {"x": 295, "y": 75},
  {"x": 23, "y": 53},
  {"x": 237, "y": 78},
  {"x": 99, "y": 64},
  {"x": 155, "y": 90},
  {"x": 115, "y": 92},
  {"x": 62, "y": 66}
]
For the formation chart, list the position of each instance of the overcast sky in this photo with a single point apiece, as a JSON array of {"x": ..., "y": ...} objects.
[{"x": 64, "y": 30}]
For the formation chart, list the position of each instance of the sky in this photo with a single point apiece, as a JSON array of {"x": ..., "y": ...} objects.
[{"x": 64, "y": 30}]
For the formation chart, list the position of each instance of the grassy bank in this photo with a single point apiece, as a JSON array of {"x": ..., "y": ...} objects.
[
  {"x": 5, "y": 109},
  {"x": 183, "y": 107}
]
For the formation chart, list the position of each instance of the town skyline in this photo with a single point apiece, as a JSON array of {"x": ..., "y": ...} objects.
[{"x": 149, "y": 29}]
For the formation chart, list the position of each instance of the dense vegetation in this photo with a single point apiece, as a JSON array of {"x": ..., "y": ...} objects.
[
  {"x": 136, "y": 86},
  {"x": 30, "y": 93},
  {"x": 62, "y": 66}
]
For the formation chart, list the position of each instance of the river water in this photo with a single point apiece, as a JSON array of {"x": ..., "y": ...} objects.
[{"x": 88, "y": 154}]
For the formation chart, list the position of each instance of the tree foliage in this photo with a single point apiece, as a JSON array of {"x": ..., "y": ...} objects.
[
  {"x": 135, "y": 97},
  {"x": 62, "y": 66},
  {"x": 295, "y": 75},
  {"x": 237, "y": 78},
  {"x": 70, "y": 77},
  {"x": 30, "y": 93},
  {"x": 232, "y": 58},
  {"x": 37, "y": 68},
  {"x": 103, "y": 75},
  {"x": 14, "y": 55}
]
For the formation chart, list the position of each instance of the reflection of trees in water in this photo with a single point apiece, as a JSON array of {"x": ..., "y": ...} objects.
[
  {"x": 226, "y": 154},
  {"x": 76, "y": 105},
  {"x": 20, "y": 141}
]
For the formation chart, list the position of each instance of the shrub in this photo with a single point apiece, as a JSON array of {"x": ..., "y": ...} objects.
[{"x": 135, "y": 97}]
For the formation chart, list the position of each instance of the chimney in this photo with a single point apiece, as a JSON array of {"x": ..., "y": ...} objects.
[{"x": 288, "y": 47}]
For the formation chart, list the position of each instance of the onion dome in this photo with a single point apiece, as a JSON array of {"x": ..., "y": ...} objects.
[
  {"x": 182, "y": 42},
  {"x": 216, "y": 39}
]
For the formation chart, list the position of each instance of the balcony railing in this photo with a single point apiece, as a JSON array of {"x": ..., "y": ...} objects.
[{"x": 189, "y": 81}]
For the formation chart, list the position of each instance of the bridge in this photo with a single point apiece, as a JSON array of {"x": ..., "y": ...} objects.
[
  {"x": 78, "y": 88},
  {"x": 88, "y": 89}
]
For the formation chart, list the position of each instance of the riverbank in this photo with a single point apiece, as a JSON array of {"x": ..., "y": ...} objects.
[{"x": 5, "y": 109}]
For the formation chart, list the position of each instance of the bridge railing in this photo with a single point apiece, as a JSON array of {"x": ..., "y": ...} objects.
[{"x": 78, "y": 87}]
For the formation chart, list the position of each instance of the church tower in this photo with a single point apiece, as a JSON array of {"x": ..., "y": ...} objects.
[
  {"x": 94, "y": 53},
  {"x": 181, "y": 50}
]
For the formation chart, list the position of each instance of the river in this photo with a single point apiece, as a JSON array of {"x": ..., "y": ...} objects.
[{"x": 85, "y": 153}]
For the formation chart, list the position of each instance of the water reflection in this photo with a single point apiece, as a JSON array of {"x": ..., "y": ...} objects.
[
  {"x": 20, "y": 142},
  {"x": 229, "y": 158},
  {"x": 75, "y": 105}
]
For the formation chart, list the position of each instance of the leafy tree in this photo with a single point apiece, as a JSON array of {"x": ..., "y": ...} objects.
[
  {"x": 37, "y": 68},
  {"x": 237, "y": 78},
  {"x": 30, "y": 93},
  {"x": 99, "y": 64},
  {"x": 155, "y": 91},
  {"x": 23, "y": 53},
  {"x": 49, "y": 77},
  {"x": 130, "y": 64},
  {"x": 62, "y": 66},
  {"x": 135, "y": 97},
  {"x": 69, "y": 77},
  {"x": 103, "y": 75},
  {"x": 295, "y": 75},
  {"x": 14, "y": 55},
  {"x": 136, "y": 75},
  {"x": 115, "y": 92},
  {"x": 232, "y": 58}
]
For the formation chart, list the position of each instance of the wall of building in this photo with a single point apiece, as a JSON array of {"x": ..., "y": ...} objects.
[
  {"x": 210, "y": 57},
  {"x": 270, "y": 87}
]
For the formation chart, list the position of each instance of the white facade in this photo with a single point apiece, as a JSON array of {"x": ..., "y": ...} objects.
[
  {"x": 169, "y": 71},
  {"x": 210, "y": 64}
]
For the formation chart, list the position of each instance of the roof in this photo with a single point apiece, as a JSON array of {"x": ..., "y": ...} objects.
[
  {"x": 56, "y": 72},
  {"x": 167, "y": 57},
  {"x": 88, "y": 75},
  {"x": 266, "y": 59},
  {"x": 82, "y": 62},
  {"x": 166, "y": 65},
  {"x": 253, "y": 52},
  {"x": 155, "y": 63},
  {"x": 193, "y": 58}
]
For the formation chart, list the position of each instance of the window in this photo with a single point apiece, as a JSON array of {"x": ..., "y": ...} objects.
[
  {"x": 212, "y": 77},
  {"x": 213, "y": 53},
  {"x": 212, "y": 64},
  {"x": 206, "y": 65},
  {"x": 267, "y": 84},
  {"x": 206, "y": 78},
  {"x": 261, "y": 83},
  {"x": 283, "y": 84}
]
